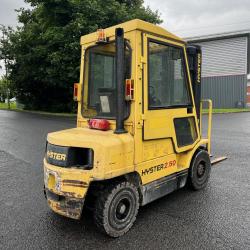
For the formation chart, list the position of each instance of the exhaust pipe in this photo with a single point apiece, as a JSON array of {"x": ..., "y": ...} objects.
[{"x": 120, "y": 86}]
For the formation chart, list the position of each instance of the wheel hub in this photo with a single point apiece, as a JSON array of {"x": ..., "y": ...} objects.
[
  {"x": 200, "y": 170},
  {"x": 122, "y": 209}
]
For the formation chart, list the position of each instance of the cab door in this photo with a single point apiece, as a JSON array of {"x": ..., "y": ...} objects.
[{"x": 169, "y": 112}]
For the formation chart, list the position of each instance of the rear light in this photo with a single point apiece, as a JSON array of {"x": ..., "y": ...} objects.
[
  {"x": 129, "y": 92},
  {"x": 100, "y": 124},
  {"x": 77, "y": 94}
]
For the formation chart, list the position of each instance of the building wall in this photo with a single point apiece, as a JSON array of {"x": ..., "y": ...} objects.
[
  {"x": 224, "y": 71},
  {"x": 248, "y": 92},
  {"x": 225, "y": 91},
  {"x": 224, "y": 57}
]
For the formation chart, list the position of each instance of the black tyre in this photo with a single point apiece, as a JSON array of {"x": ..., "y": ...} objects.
[
  {"x": 199, "y": 171},
  {"x": 116, "y": 208}
]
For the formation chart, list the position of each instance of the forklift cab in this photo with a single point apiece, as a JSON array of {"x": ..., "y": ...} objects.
[{"x": 169, "y": 110}]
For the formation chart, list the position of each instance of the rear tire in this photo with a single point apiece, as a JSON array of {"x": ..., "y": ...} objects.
[
  {"x": 116, "y": 208},
  {"x": 199, "y": 171}
]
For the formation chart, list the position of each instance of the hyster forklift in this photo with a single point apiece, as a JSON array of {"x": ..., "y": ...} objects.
[{"x": 139, "y": 127}]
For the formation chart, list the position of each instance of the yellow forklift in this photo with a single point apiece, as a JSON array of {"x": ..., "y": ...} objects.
[{"x": 139, "y": 127}]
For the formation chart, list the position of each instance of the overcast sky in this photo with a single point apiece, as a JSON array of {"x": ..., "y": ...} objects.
[
  {"x": 182, "y": 17},
  {"x": 200, "y": 17}
]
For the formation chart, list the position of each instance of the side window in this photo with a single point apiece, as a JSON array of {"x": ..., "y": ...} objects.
[
  {"x": 167, "y": 85},
  {"x": 185, "y": 130}
]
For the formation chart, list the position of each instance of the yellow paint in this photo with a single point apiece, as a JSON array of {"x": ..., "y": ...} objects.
[
  {"x": 113, "y": 154},
  {"x": 54, "y": 176},
  {"x": 157, "y": 168},
  {"x": 149, "y": 148},
  {"x": 209, "y": 129},
  {"x": 131, "y": 26}
]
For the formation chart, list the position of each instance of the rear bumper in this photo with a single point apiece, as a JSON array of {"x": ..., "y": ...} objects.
[
  {"x": 66, "y": 206},
  {"x": 65, "y": 189},
  {"x": 66, "y": 182}
]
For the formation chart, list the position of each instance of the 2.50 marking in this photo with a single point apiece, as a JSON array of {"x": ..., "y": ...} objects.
[{"x": 157, "y": 168}]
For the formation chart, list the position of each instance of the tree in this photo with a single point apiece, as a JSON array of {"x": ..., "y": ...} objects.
[
  {"x": 5, "y": 84},
  {"x": 5, "y": 89},
  {"x": 45, "y": 53}
]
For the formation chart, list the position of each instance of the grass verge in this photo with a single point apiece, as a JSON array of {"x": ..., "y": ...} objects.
[
  {"x": 224, "y": 111},
  {"x": 205, "y": 111},
  {"x": 4, "y": 106}
]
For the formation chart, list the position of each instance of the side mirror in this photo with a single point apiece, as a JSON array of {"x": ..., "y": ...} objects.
[{"x": 77, "y": 92}]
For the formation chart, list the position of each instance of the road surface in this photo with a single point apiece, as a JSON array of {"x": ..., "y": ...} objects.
[{"x": 217, "y": 217}]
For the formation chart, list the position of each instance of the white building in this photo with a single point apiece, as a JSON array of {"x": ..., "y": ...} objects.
[{"x": 225, "y": 66}]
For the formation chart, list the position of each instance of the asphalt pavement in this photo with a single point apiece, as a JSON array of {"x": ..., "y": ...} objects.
[{"x": 217, "y": 217}]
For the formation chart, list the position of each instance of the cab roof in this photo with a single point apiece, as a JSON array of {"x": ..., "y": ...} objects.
[{"x": 135, "y": 24}]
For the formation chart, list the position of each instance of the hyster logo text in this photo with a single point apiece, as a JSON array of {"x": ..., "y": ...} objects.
[
  {"x": 199, "y": 69},
  {"x": 56, "y": 156},
  {"x": 160, "y": 167}
]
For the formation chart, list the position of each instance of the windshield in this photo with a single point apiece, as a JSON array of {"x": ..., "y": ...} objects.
[{"x": 99, "y": 80}]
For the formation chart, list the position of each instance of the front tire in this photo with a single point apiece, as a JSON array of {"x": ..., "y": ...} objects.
[
  {"x": 199, "y": 171},
  {"x": 116, "y": 208}
]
